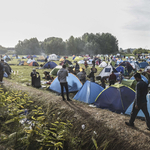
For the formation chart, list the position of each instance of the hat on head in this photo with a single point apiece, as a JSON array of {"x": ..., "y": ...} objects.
[{"x": 33, "y": 69}]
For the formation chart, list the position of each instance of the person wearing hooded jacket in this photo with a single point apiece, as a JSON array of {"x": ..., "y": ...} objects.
[{"x": 62, "y": 75}]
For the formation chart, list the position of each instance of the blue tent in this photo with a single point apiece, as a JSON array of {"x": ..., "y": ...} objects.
[
  {"x": 74, "y": 84},
  {"x": 143, "y": 64},
  {"x": 88, "y": 92},
  {"x": 50, "y": 65},
  {"x": 115, "y": 98},
  {"x": 140, "y": 113},
  {"x": 128, "y": 65},
  {"x": 34, "y": 56},
  {"x": 143, "y": 78},
  {"x": 120, "y": 69},
  {"x": 119, "y": 61}
]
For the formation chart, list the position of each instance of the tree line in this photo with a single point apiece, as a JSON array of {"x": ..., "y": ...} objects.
[{"x": 89, "y": 43}]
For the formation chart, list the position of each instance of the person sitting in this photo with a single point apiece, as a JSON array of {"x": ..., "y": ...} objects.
[
  {"x": 82, "y": 76},
  {"x": 112, "y": 79},
  {"x": 35, "y": 79},
  {"x": 47, "y": 76}
]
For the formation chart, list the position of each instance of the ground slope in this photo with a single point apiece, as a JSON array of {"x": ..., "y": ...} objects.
[{"x": 138, "y": 137}]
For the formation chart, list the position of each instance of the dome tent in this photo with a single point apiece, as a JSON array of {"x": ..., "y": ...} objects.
[
  {"x": 50, "y": 65},
  {"x": 88, "y": 92},
  {"x": 55, "y": 70},
  {"x": 140, "y": 113},
  {"x": 116, "y": 98},
  {"x": 74, "y": 84},
  {"x": 52, "y": 57}
]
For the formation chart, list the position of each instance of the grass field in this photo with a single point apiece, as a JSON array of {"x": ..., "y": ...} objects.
[{"x": 21, "y": 74}]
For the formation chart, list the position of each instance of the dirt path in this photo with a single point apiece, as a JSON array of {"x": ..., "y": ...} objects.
[{"x": 138, "y": 135}]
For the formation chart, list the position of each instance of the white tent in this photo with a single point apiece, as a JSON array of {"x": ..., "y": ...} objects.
[
  {"x": 107, "y": 71},
  {"x": 30, "y": 60},
  {"x": 147, "y": 68},
  {"x": 81, "y": 62},
  {"x": 135, "y": 65},
  {"x": 103, "y": 64},
  {"x": 52, "y": 57}
]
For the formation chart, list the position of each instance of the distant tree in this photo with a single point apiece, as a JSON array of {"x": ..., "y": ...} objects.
[
  {"x": 140, "y": 51},
  {"x": 54, "y": 45},
  {"x": 3, "y": 50},
  {"x": 28, "y": 47}
]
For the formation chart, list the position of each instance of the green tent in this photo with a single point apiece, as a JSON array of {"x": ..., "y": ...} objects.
[
  {"x": 55, "y": 70},
  {"x": 129, "y": 83}
]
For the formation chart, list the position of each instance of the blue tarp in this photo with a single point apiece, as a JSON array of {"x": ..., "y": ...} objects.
[
  {"x": 88, "y": 92},
  {"x": 140, "y": 113},
  {"x": 143, "y": 64},
  {"x": 50, "y": 65},
  {"x": 143, "y": 78},
  {"x": 74, "y": 84},
  {"x": 116, "y": 99}
]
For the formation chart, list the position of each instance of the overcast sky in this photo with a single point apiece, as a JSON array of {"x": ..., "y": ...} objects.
[{"x": 127, "y": 20}]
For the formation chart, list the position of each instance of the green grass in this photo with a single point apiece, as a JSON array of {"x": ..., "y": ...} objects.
[{"x": 21, "y": 74}]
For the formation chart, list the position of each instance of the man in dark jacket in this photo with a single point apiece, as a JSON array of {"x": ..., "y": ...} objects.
[
  {"x": 140, "y": 101},
  {"x": 82, "y": 76},
  {"x": 62, "y": 75},
  {"x": 112, "y": 79},
  {"x": 33, "y": 77},
  {"x": 2, "y": 69}
]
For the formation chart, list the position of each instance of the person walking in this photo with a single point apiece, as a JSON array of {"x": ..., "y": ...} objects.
[
  {"x": 2, "y": 69},
  {"x": 62, "y": 75},
  {"x": 140, "y": 101},
  {"x": 112, "y": 79}
]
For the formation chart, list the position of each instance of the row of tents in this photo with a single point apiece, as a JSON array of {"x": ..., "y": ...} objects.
[{"x": 93, "y": 93}]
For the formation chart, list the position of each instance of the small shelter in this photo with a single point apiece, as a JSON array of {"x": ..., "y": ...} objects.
[
  {"x": 55, "y": 70},
  {"x": 143, "y": 78},
  {"x": 52, "y": 57},
  {"x": 33, "y": 63},
  {"x": 103, "y": 64},
  {"x": 143, "y": 64},
  {"x": 140, "y": 113},
  {"x": 50, "y": 65},
  {"x": 74, "y": 84},
  {"x": 116, "y": 98},
  {"x": 88, "y": 92}
]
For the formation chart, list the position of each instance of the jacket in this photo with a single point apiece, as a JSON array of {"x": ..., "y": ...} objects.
[
  {"x": 141, "y": 92},
  {"x": 62, "y": 74}
]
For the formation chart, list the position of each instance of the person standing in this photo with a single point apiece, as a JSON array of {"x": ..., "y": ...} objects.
[
  {"x": 140, "y": 101},
  {"x": 82, "y": 76},
  {"x": 112, "y": 79},
  {"x": 86, "y": 64},
  {"x": 62, "y": 75},
  {"x": 2, "y": 69},
  {"x": 91, "y": 76},
  {"x": 33, "y": 77},
  {"x": 120, "y": 77},
  {"x": 77, "y": 67},
  {"x": 103, "y": 82}
]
